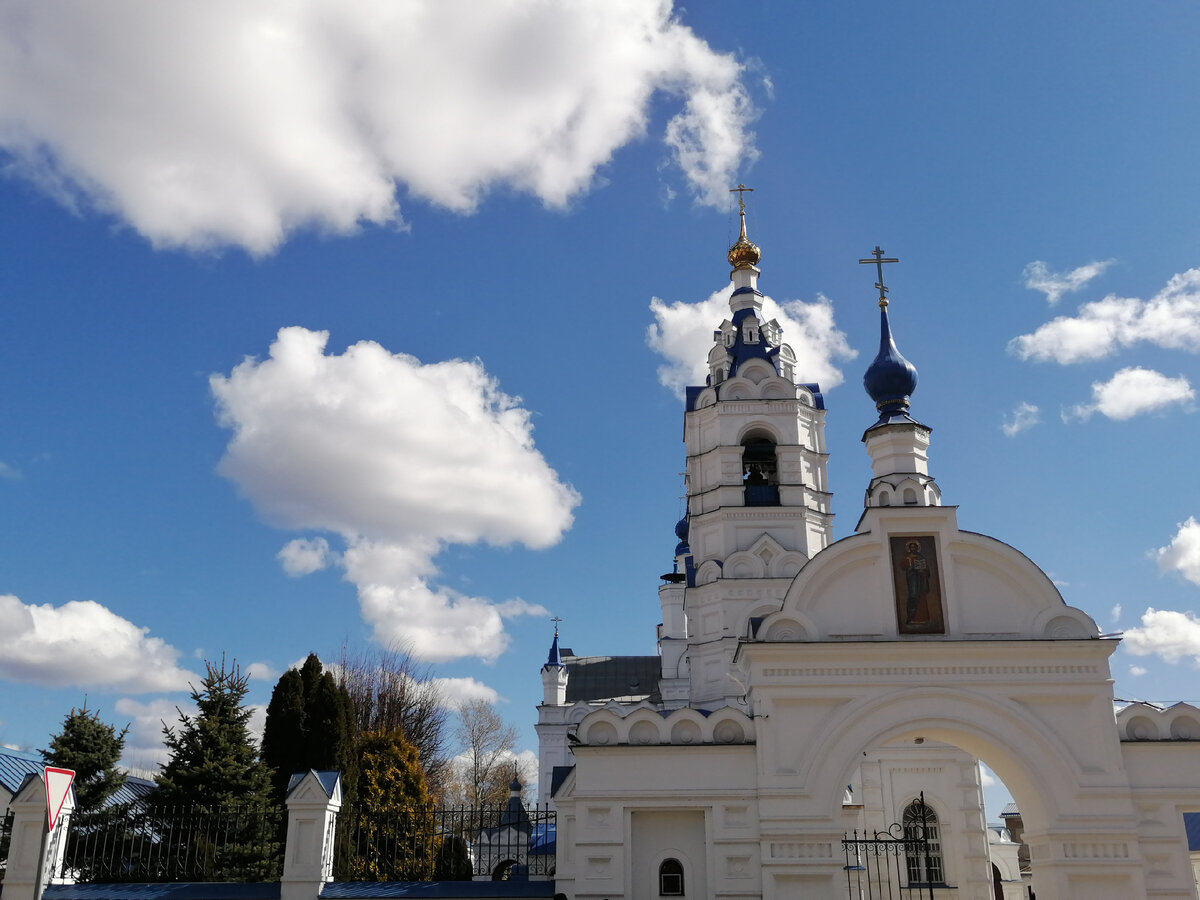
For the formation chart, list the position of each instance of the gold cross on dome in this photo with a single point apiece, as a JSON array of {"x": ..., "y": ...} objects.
[
  {"x": 556, "y": 620},
  {"x": 879, "y": 259},
  {"x": 740, "y": 190}
]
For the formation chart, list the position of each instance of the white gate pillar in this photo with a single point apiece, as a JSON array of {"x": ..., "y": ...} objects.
[
  {"x": 28, "y": 806},
  {"x": 313, "y": 801}
]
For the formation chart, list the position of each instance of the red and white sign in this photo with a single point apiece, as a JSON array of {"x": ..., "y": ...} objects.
[{"x": 58, "y": 785}]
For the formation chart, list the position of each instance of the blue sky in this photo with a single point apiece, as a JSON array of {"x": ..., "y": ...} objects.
[{"x": 493, "y": 210}]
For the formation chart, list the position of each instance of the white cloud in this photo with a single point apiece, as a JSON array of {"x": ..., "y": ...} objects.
[
  {"x": 320, "y": 109},
  {"x": 83, "y": 643},
  {"x": 457, "y": 691},
  {"x": 1183, "y": 553},
  {"x": 261, "y": 672},
  {"x": 1115, "y": 613},
  {"x": 1038, "y": 277},
  {"x": 1133, "y": 391},
  {"x": 1137, "y": 671},
  {"x": 9, "y": 472},
  {"x": 987, "y": 778},
  {"x": 303, "y": 556},
  {"x": 1170, "y": 319},
  {"x": 400, "y": 458},
  {"x": 144, "y": 749},
  {"x": 1024, "y": 416},
  {"x": 1167, "y": 634},
  {"x": 683, "y": 334}
]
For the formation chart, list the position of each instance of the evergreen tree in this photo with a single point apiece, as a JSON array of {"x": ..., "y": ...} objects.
[
  {"x": 310, "y": 725},
  {"x": 213, "y": 760},
  {"x": 93, "y": 749},
  {"x": 396, "y": 834},
  {"x": 212, "y": 793}
]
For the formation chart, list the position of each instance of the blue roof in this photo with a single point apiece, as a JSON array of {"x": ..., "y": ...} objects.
[
  {"x": 352, "y": 890},
  {"x": 327, "y": 779},
  {"x": 15, "y": 765}
]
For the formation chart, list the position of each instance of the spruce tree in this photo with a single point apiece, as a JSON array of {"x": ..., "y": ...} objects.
[
  {"x": 214, "y": 775},
  {"x": 284, "y": 743},
  {"x": 92, "y": 749},
  {"x": 213, "y": 760}
]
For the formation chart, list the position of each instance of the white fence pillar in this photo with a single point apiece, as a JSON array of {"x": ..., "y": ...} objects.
[
  {"x": 313, "y": 801},
  {"x": 28, "y": 806}
]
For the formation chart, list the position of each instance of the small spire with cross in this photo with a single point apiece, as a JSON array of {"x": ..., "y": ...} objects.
[
  {"x": 556, "y": 620},
  {"x": 740, "y": 190},
  {"x": 879, "y": 259},
  {"x": 744, "y": 254}
]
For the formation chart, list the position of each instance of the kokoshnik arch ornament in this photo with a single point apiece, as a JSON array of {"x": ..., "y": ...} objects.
[{"x": 790, "y": 665}]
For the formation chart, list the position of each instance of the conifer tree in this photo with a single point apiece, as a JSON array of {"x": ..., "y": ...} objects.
[
  {"x": 214, "y": 769},
  {"x": 310, "y": 725},
  {"x": 396, "y": 820},
  {"x": 92, "y": 749},
  {"x": 213, "y": 759}
]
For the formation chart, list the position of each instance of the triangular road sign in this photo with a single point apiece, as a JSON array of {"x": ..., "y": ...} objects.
[{"x": 58, "y": 784}]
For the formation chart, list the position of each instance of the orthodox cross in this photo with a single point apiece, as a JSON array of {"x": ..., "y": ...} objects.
[
  {"x": 879, "y": 259},
  {"x": 740, "y": 190},
  {"x": 556, "y": 620}
]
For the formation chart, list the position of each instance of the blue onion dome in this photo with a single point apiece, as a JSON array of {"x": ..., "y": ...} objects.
[
  {"x": 890, "y": 379},
  {"x": 681, "y": 529}
]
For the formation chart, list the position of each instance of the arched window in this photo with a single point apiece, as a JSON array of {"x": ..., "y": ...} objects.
[
  {"x": 923, "y": 850},
  {"x": 760, "y": 472},
  {"x": 670, "y": 878}
]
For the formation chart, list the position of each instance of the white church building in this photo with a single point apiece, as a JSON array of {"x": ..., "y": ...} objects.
[{"x": 807, "y": 691}]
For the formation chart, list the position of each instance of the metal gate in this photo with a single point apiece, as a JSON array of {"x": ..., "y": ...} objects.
[{"x": 895, "y": 864}]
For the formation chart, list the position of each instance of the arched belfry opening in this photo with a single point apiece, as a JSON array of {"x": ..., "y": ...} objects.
[{"x": 760, "y": 471}]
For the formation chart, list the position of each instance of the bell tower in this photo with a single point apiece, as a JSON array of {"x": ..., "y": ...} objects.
[{"x": 758, "y": 505}]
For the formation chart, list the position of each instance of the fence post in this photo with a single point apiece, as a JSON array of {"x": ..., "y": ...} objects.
[
  {"x": 313, "y": 801},
  {"x": 28, "y": 806}
]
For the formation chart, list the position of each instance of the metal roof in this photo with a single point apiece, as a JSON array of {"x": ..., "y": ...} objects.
[
  {"x": 612, "y": 677},
  {"x": 1191, "y": 822},
  {"x": 15, "y": 765}
]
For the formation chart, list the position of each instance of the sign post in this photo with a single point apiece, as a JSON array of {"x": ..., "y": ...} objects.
[{"x": 58, "y": 784}]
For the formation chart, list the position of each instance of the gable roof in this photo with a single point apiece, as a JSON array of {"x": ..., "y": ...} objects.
[{"x": 15, "y": 765}]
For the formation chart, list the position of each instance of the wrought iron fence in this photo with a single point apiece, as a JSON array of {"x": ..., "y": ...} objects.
[
  {"x": 900, "y": 862},
  {"x": 6, "y": 826},
  {"x": 424, "y": 844},
  {"x": 120, "y": 844}
]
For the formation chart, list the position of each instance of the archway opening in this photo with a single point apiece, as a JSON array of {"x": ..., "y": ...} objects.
[{"x": 923, "y": 819}]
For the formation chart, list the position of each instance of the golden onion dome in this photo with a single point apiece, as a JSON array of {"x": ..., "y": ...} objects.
[{"x": 745, "y": 253}]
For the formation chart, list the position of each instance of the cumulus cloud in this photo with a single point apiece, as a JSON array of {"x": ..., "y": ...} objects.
[
  {"x": 1133, "y": 391},
  {"x": 457, "y": 691},
  {"x": 1115, "y": 613},
  {"x": 1167, "y": 634},
  {"x": 683, "y": 334},
  {"x": 319, "y": 110},
  {"x": 260, "y": 671},
  {"x": 987, "y": 778},
  {"x": 1182, "y": 555},
  {"x": 1038, "y": 277},
  {"x": 1023, "y": 417},
  {"x": 399, "y": 458},
  {"x": 85, "y": 644},
  {"x": 1170, "y": 319},
  {"x": 303, "y": 556},
  {"x": 1137, "y": 671},
  {"x": 144, "y": 749}
]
